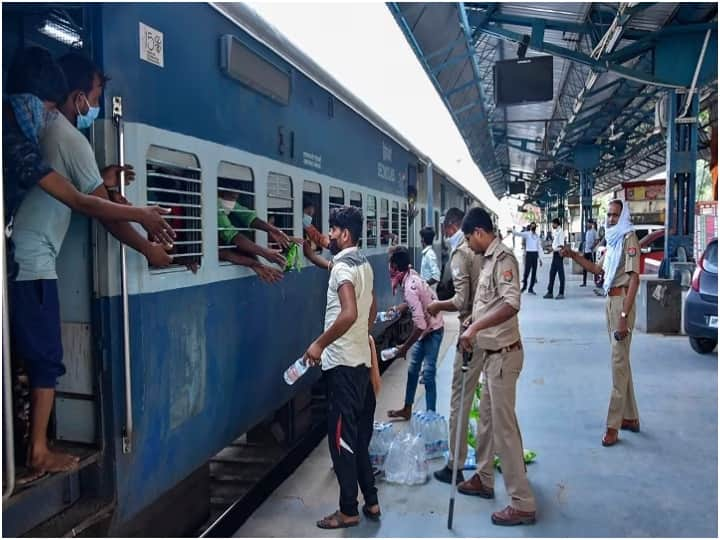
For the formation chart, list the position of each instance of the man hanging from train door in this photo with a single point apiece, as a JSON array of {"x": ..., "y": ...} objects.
[
  {"x": 34, "y": 314},
  {"x": 343, "y": 351}
]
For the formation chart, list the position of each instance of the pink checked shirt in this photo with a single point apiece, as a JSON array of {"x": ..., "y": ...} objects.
[{"x": 418, "y": 296}]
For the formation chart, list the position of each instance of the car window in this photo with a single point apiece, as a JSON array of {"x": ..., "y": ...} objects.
[
  {"x": 658, "y": 244},
  {"x": 710, "y": 258}
]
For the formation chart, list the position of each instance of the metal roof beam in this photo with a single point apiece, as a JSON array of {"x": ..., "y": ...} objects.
[{"x": 478, "y": 19}]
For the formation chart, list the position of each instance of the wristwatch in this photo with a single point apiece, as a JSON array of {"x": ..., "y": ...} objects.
[{"x": 623, "y": 315}]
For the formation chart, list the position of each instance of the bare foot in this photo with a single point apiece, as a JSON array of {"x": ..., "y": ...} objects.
[{"x": 49, "y": 461}]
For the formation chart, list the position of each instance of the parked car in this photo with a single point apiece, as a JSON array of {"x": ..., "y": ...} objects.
[
  {"x": 641, "y": 232},
  {"x": 701, "y": 305},
  {"x": 652, "y": 247}
]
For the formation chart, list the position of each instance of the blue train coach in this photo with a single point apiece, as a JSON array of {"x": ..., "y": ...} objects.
[{"x": 167, "y": 367}]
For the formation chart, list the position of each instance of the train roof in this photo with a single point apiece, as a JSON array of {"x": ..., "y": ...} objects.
[{"x": 251, "y": 22}]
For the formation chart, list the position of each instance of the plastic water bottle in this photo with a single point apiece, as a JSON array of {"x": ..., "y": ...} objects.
[
  {"x": 385, "y": 316},
  {"x": 388, "y": 354},
  {"x": 295, "y": 371}
]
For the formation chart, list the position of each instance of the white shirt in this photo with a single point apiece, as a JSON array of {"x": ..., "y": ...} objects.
[
  {"x": 590, "y": 239},
  {"x": 558, "y": 239},
  {"x": 532, "y": 240},
  {"x": 428, "y": 266},
  {"x": 352, "y": 348}
]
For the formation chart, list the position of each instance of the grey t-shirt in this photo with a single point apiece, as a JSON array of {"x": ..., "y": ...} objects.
[{"x": 42, "y": 221}]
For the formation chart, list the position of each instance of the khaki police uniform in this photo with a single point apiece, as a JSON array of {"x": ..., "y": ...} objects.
[
  {"x": 498, "y": 283},
  {"x": 622, "y": 398},
  {"x": 465, "y": 267}
]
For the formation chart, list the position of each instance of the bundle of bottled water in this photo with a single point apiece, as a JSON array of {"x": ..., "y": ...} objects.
[
  {"x": 406, "y": 462},
  {"x": 383, "y": 435},
  {"x": 434, "y": 430}
]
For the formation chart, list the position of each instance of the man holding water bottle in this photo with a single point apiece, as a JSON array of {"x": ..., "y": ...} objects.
[{"x": 343, "y": 351}]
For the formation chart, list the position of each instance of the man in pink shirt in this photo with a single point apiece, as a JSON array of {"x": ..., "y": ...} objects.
[{"x": 426, "y": 336}]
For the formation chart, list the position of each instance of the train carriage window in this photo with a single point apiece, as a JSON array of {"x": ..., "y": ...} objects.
[
  {"x": 384, "y": 223},
  {"x": 371, "y": 220},
  {"x": 280, "y": 204},
  {"x": 236, "y": 203},
  {"x": 337, "y": 197},
  {"x": 174, "y": 181},
  {"x": 356, "y": 201},
  {"x": 404, "y": 224},
  {"x": 312, "y": 195},
  {"x": 395, "y": 220}
]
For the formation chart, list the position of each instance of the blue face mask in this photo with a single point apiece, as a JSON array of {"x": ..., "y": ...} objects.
[
  {"x": 86, "y": 120},
  {"x": 307, "y": 220}
]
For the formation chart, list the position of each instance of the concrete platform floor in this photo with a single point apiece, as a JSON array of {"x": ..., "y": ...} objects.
[{"x": 659, "y": 482}]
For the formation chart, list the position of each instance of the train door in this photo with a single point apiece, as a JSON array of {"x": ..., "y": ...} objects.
[{"x": 75, "y": 421}]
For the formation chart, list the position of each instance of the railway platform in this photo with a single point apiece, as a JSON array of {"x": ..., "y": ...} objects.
[{"x": 659, "y": 482}]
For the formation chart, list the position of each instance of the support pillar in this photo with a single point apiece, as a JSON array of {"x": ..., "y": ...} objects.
[
  {"x": 430, "y": 220},
  {"x": 587, "y": 185},
  {"x": 681, "y": 159}
]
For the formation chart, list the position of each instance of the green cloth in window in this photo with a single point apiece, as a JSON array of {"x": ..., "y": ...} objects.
[{"x": 242, "y": 217}]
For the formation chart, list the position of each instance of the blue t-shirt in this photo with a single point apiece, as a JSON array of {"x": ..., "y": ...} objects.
[{"x": 23, "y": 168}]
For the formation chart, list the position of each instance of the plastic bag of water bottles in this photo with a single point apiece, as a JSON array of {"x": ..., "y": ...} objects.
[
  {"x": 382, "y": 437},
  {"x": 470, "y": 460},
  {"x": 434, "y": 430},
  {"x": 406, "y": 463}
]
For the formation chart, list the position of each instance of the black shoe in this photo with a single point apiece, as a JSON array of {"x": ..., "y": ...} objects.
[
  {"x": 560, "y": 296},
  {"x": 532, "y": 292},
  {"x": 548, "y": 295},
  {"x": 445, "y": 475},
  {"x": 522, "y": 290},
  {"x": 583, "y": 284}
]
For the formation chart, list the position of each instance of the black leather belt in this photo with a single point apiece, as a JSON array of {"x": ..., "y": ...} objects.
[{"x": 514, "y": 347}]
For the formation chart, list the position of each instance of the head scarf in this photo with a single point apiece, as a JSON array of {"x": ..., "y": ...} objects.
[
  {"x": 30, "y": 114},
  {"x": 614, "y": 237}
]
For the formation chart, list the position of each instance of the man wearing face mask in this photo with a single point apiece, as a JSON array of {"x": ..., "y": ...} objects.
[
  {"x": 343, "y": 350},
  {"x": 621, "y": 269},
  {"x": 231, "y": 215},
  {"x": 496, "y": 332},
  {"x": 532, "y": 254},
  {"x": 35, "y": 85}
]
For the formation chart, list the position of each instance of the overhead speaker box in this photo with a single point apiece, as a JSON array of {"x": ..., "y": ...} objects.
[
  {"x": 524, "y": 80},
  {"x": 516, "y": 188}
]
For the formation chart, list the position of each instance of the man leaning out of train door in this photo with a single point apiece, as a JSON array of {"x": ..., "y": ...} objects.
[
  {"x": 231, "y": 215},
  {"x": 37, "y": 232},
  {"x": 343, "y": 350}
]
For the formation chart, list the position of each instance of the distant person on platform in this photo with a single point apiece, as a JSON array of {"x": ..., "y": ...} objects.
[
  {"x": 621, "y": 269},
  {"x": 532, "y": 256},
  {"x": 429, "y": 269},
  {"x": 591, "y": 241},
  {"x": 557, "y": 267}
]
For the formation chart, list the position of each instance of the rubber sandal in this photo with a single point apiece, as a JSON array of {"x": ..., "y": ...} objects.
[
  {"x": 372, "y": 516},
  {"x": 334, "y": 521},
  {"x": 398, "y": 415}
]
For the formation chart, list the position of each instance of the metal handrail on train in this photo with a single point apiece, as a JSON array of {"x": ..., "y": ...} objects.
[
  {"x": 8, "y": 434},
  {"x": 127, "y": 432}
]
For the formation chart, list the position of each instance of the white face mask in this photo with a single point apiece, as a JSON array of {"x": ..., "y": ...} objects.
[
  {"x": 227, "y": 205},
  {"x": 307, "y": 220}
]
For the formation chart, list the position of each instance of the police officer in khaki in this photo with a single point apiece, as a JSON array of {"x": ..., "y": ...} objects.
[
  {"x": 620, "y": 266},
  {"x": 465, "y": 268},
  {"x": 495, "y": 331}
]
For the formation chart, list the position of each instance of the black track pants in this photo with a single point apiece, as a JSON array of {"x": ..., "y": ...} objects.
[{"x": 351, "y": 410}]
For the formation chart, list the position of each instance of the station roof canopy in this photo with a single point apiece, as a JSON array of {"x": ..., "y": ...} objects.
[{"x": 612, "y": 62}]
